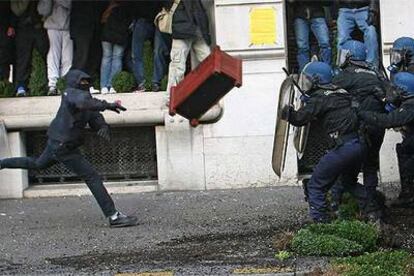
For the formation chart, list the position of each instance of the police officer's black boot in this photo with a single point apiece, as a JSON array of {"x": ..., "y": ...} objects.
[
  {"x": 406, "y": 197},
  {"x": 118, "y": 220}
]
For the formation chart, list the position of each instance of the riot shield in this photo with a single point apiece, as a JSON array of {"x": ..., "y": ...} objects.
[
  {"x": 300, "y": 135},
  {"x": 286, "y": 97}
]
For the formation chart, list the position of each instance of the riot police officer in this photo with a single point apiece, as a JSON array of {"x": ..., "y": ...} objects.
[
  {"x": 403, "y": 117},
  {"x": 402, "y": 56},
  {"x": 367, "y": 88},
  {"x": 77, "y": 110},
  {"x": 331, "y": 106}
]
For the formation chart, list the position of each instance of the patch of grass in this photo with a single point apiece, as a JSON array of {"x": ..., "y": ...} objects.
[
  {"x": 349, "y": 208},
  {"x": 38, "y": 77},
  {"x": 308, "y": 243},
  {"x": 123, "y": 82},
  {"x": 362, "y": 233},
  {"x": 283, "y": 255},
  {"x": 392, "y": 263},
  {"x": 340, "y": 238},
  {"x": 262, "y": 270}
]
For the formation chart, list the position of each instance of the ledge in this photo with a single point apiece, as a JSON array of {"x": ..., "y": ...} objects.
[{"x": 143, "y": 109}]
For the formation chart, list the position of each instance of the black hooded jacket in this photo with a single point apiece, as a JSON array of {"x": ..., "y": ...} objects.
[
  {"x": 77, "y": 110},
  {"x": 332, "y": 108}
]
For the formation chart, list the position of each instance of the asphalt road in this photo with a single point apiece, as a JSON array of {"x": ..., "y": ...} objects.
[{"x": 191, "y": 233}]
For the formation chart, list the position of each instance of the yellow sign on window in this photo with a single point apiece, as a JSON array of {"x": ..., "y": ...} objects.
[{"x": 263, "y": 26}]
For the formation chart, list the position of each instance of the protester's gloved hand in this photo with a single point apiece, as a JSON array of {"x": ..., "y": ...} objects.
[
  {"x": 371, "y": 17},
  {"x": 284, "y": 115},
  {"x": 105, "y": 133},
  {"x": 116, "y": 107}
]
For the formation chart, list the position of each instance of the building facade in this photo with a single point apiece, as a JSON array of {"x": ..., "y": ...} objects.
[{"x": 232, "y": 148}]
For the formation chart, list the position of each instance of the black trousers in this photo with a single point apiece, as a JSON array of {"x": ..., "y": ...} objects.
[
  {"x": 87, "y": 52},
  {"x": 28, "y": 39},
  {"x": 72, "y": 158},
  {"x": 6, "y": 54}
]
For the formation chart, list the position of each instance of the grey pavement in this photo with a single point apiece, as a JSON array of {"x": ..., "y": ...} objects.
[{"x": 191, "y": 233}]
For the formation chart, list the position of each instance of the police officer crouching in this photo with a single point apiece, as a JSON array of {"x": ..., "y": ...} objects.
[
  {"x": 332, "y": 107},
  {"x": 367, "y": 89},
  {"x": 77, "y": 109},
  {"x": 403, "y": 117}
]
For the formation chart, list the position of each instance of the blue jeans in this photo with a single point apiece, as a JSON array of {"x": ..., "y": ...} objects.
[
  {"x": 321, "y": 32},
  {"x": 111, "y": 62},
  {"x": 144, "y": 30},
  {"x": 348, "y": 19},
  {"x": 345, "y": 161}
]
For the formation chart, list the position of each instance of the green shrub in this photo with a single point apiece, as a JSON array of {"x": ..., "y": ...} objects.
[
  {"x": 123, "y": 82},
  {"x": 362, "y": 233},
  {"x": 340, "y": 238},
  {"x": 308, "y": 243},
  {"x": 392, "y": 263},
  {"x": 61, "y": 85},
  {"x": 38, "y": 77},
  {"x": 6, "y": 89}
]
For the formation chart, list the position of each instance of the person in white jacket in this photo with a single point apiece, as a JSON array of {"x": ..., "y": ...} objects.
[{"x": 56, "y": 15}]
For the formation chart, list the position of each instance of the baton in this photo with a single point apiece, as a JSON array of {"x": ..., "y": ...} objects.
[{"x": 294, "y": 82}]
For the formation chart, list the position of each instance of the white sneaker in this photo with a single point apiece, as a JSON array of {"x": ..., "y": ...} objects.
[
  {"x": 92, "y": 90},
  {"x": 104, "y": 90},
  {"x": 112, "y": 91}
]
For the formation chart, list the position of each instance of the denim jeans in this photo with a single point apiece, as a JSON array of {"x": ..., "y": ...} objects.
[
  {"x": 73, "y": 160},
  {"x": 348, "y": 19},
  {"x": 144, "y": 30},
  {"x": 111, "y": 62},
  {"x": 321, "y": 32}
]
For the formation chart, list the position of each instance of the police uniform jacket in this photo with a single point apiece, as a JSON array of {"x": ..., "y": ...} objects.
[
  {"x": 364, "y": 85},
  {"x": 332, "y": 107},
  {"x": 401, "y": 117}
]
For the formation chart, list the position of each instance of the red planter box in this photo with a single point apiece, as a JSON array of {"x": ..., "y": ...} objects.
[{"x": 203, "y": 87}]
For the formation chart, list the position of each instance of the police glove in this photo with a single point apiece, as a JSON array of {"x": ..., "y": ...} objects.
[
  {"x": 285, "y": 114},
  {"x": 116, "y": 107},
  {"x": 371, "y": 17},
  {"x": 105, "y": 133}
]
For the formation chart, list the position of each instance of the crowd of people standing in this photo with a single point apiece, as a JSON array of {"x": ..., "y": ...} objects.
[{"x": 101, "y": 38}]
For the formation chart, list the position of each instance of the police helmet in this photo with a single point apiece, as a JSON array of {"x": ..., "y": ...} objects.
[
  {"x": 351, "y": 50},
  {"x": 400, "y": 53},
  {"x": 315, "y": 74},
  {"x": 405, "y": 82}
]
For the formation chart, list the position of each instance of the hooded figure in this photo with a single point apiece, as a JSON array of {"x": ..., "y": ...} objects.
[{"x": 77, "y": 110}]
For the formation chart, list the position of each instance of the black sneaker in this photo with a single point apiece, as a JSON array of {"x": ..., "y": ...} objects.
[{"x": 122, "y": 220}]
